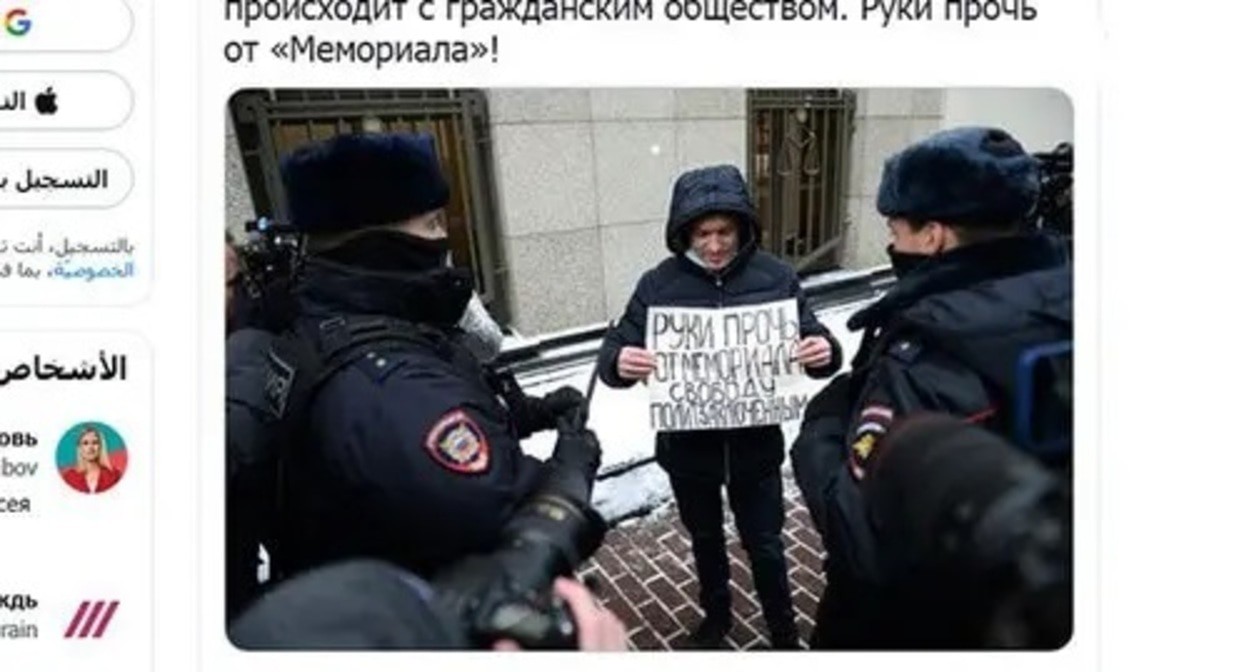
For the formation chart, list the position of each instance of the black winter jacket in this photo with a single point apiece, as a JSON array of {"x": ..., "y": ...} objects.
[
  {"x": 947, "y": 338},
  {"x": 409, "y": 456},
  {"x": 752, "y": 277}
]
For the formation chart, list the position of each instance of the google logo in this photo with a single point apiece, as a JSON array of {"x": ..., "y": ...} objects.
[{"x": 16, "y": 23}]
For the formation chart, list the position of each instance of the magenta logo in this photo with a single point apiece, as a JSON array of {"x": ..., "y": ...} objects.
[{"x": 92, "y": 619}]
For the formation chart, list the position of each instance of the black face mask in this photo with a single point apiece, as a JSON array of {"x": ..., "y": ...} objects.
[
  {"x": 905, "y": 262},
  {"x": 439, "y": 296},
  {"x": 392, "y": 251},
  {"x": 432, "y": 292}
]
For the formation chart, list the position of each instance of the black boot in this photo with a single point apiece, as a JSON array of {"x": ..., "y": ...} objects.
[
  {"x": 712, "y": 631},
  {"x": 787, "y": 641}
]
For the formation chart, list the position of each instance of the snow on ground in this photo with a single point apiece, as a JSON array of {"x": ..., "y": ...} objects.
[{"x": 620, "y": 419}]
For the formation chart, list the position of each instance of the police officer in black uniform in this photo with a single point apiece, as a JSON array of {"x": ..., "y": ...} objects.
[
  {"x": 406, "y": 452},
  {"x": 713, "y": 234},
  {"x": 975, "y": 292}
]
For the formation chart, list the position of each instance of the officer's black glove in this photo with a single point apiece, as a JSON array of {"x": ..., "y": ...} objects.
[
  {"x": 560, "y": 403},
  {"x": 575, "y": 461},
  {"x": 533, "y": 414}
]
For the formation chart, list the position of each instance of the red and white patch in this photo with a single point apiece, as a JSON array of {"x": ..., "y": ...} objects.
[
  {"x": 457, "y": 443},
  {"x": 881, "y": 414}
]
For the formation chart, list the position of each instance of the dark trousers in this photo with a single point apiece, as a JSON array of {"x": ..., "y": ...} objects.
[
  {"x": 925, "y": 611},
  {"x": 849, "y": 618},
  {"x": 758, "y": 507}
]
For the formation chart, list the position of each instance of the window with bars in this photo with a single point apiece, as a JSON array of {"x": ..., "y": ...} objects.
[
  {"x": 799, "y": 158},
  {"x": 271, "y": 123}
]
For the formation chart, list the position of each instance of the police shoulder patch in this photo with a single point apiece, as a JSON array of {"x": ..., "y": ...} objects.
[
  {"x": 457, "y": 443},
  {"x": 873, "y": 423}
]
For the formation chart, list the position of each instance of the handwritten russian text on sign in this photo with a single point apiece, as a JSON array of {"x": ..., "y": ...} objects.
[{"x": 724, "y": 368}]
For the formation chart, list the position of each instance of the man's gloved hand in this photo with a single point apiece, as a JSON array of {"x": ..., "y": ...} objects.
[
  {"x": 562, "y": 402},
  {"x": 575, "y": 461},
  {"x": 533, "y": 414},
  {"x": 577, "y": 446}
]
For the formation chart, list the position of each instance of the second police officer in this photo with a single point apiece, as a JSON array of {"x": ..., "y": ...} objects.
[{"x": 976, "y": 290}]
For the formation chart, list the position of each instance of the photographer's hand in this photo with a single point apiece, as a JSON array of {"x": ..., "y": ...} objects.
[
  {"x": 597, "y": 628},
  {"x": 499, "y": 598}
]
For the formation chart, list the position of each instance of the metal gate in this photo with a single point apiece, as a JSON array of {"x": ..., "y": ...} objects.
[
  {"x": 271, "y": 123},
  {"x": 799, "y": 143}
]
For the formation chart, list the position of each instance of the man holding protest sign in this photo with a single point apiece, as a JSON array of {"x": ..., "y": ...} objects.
[{"x": 719, "y": 331}]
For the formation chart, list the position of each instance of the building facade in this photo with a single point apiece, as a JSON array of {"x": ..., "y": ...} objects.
[{"x": 561, "y": 195}]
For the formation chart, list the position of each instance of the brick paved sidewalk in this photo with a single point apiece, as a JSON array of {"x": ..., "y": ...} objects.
[{"x": 646, "y": 576}]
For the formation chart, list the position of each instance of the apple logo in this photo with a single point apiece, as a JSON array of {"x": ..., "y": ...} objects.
[{"x": 45, "y": 102}]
